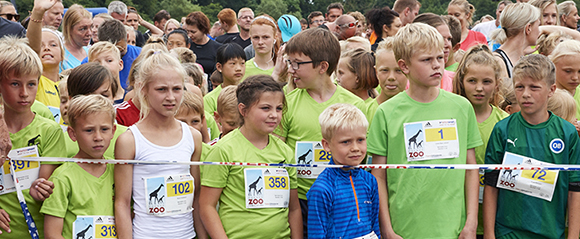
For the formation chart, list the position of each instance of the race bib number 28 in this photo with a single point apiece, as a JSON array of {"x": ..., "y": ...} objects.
[{"x": 311, "y": 153}]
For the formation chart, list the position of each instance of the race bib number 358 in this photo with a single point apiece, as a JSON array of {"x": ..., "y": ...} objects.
[
  {"x": 266, "y": 187},
  {"x": 435, "y": 139}
]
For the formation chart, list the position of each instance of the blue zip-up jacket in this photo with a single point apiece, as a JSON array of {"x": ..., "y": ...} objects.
[{"x": 343, "y": 204}]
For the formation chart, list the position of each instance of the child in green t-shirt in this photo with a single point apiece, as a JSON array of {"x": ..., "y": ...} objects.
[
  {"x": 21, "y": 67},
  {"x": 425, "y": 125},
  {"x": 532, "y": 203},
  {"x": 83, "y": 194},
  {"x": 392, "y": 81}
]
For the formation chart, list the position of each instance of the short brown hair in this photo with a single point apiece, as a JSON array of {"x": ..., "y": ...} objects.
[
  {"x": 227, "y": 16},
  {"x": 400, "y": 5},
  {"x": 313, "y": 15},
  {"x": 87, "y": 78},
  {"x": 199, "y": 20},
  {"x": 537, "y": 67},
  {"x": 325, "y": 48},
  {"x": 361, "y": 63},
  {"x": 84, "y": 105},
  {"x": 454, "y": 28},
  {"x": 191, "y": 102}
]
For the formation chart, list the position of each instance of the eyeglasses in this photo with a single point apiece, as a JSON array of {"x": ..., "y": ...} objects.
[
  {"x": 9, "y": 16},
  {"x": 318, "y": 21},
  {"x": 296, "y": 65},
  {"x": 349, "y": 25}
]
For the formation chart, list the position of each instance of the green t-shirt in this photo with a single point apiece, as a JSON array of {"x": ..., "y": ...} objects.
[
  {"x": 577, "y": 99},
  {"x": 210, "y": 100},
  {"x": 300, "y": 121},
  {"x": 78, "y": 193},
  {"x": 252, "y": 69},
  {"x": 485, "y": 129},
  {"x": 238, "y": 221},
  {"x": 371, "y": 108},
  {"x": 73, "y": 149},
  {"x": 453, "y": 67},
  {"x": 47, "y": 135},
  {"x": 214, "y": 130},
  {"x": 519, "y": 214},
  {"x": 424, "y": 203},
  {"x": 41, "y": 109}
]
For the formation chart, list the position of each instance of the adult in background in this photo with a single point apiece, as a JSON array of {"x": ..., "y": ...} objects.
[
  {"x": 315, "y": 19},
  {"x": 97, "y": 21},
  {"x": 118, "y": 10},
  {"x": 487, "y": 27},
  {"x": 407, "y": 9},
  {"x": 345, "y": 27},
  {"x": 228, "y": 23},
  {"x": 134, "y": 20},
  {"x": 8, "y": 11},
  {"x": 159, "y": 20},
  {"x": 385, "y": 23},
  {"x": 245, "y": 18},
  {"x": 263, "y": 32},
  {"x": 77, "y": 35},
  {"x": 548, "y": 10},
  {"x": 568, "y": 14},
  {"x": 53, "y": 16},
  {"x": 170, "y": 25},
  {"x": 463, "y": 11},
  {"x": 333, "y": 11},
  {"x": 215, "y": 31},
  {"x": 197, "y": 26},
  {"x": 361, "y": 23}
]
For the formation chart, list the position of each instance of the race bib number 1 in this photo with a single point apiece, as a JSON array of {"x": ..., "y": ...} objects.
[
  {"x": 26, "y": 171},
  {"x": 536, "y": 183},
  {"x": 311, "y": 153},
  {"x": 169, "y": 195},
  {"x": 266, "y": 187},
  {"x": 94, "y": 227},
  {"x": 435, "y": 139}
]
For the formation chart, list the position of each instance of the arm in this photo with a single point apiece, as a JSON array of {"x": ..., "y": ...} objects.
[
  {"x": 210, "y": 218},
  {"x": 34, "y": 33},
  {"x": 384, "y": 216},
  {"x": 53, "y": 227},
  {"x": 199, "y": 229},
  {"x": 124, "y": 149},
  {"x": 471, "y": 198},
  {"x": 319, "y": 211},
  {"x": 549, "y": 29},
  {"x": 154, "y": 30},
  {"x": 41, "y": 189},
  {"x": 489, "y": 211},
  {"x": 295, "y": 216},
  {"x": 573, "y": 214}
]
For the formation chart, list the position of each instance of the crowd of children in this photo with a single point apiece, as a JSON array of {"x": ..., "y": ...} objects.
[{"x": 432, "y": 92}]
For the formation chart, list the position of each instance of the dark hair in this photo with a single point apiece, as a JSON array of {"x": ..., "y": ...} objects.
[
  {"x": 179, "y": 31},
  {"x": 430, "y": 19},
  {"x": 336, "y": 5},
  {"x": 380, "y": 17},
  {"x": 229, "y": 51},
  {"x": 216, "y": 77},
  {"x": 317, "y": 43},
  {"x": 313, "y": 15},
  {"x": 162, "y": 14},
  {"x": 362, "y": 63},
  {"x": 199, "y": 20},
  {"x": 250, "y": 90},
  {"x": 454, "y": 28},
  {"x": 87, "y": 78},
  {"x": 112, "y": 31}
]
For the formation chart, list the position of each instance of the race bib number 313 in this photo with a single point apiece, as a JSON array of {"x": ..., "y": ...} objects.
[
  {"x": 536, "y": 183},
  {"x": 169, "y": 195},
  {"x": 435, "y": 139},
  {"x": 310, "y": 153},
  {"x": 266, "y": 187},
  {"x": 94, "y": 227}
]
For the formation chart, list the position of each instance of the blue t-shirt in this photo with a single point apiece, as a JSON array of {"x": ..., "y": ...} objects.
[{"x": 132, "y": 53}]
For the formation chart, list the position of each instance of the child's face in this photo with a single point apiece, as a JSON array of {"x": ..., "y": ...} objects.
[
  {"x": 265, "y": 115},
  {"x": 105, "y": 90},
  {"x": 458, "y": 12},
  {"x": 164, "y": 92},
  {"x": 347, "y": 146},
  {"x": 50, "y": 53},
  {"x": 346, "y": 78},
  {"x": 305, "y": 76},
  {"x": 228, "y": 121},
  {"x": 532, "y": 95},
  {"x": 480, "y": 84},
  {"x": 176, "y": 40},
  {"x": 64, "y": 105},
  {"x": 550, "y": 15},
  {"x": 93, "y": 132},
  {"x": 568, "y": 72},
  {"x": 190, "y": 117},
  {"x": 444, "y": 31},
  {"x": 19, "y": 93},
  {"x": 232, "y": 71},
  {"x": 109, "y": 60},
  {"x": 425, "y": 68},
  {"x": 391, "y": 78}
]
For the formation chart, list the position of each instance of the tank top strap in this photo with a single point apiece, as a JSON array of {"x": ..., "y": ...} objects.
[{"x": 506, "y": 60}]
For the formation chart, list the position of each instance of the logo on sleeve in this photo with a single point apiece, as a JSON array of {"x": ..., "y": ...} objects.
[{"x": 557, "y": 145}]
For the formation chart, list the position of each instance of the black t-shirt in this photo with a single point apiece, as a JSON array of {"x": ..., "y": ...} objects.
[
  {"x": 206, "y": 55},
  {"x": 226, "y": 37},
  {"x": 11, "y": 28},
  {"x": 238, "y": 40},
  {"x": 140, "y": 39}
]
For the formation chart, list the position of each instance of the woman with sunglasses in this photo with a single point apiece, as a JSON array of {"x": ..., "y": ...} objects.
[{"x": 8, "y": 12}]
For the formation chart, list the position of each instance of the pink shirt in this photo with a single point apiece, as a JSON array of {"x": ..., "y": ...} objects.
[{"x": 472, "y": 39}]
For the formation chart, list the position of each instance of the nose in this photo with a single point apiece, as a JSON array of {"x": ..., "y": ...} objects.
[
  {"x": 98, "y": 136},
  {"x": 24, "y": 92}
]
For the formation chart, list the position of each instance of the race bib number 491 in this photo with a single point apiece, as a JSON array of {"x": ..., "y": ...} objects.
[{"x": 435, "y": 139}]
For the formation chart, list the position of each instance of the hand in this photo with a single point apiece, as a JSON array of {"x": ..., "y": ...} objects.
[
  {"x": 468, "y": 232},
  {"x": 4, "y": 221},
  {"x": 44, "y": 4},
  {"x": 393, "y": 236},
  {"x": 41, "y": 189},
  {"x": 281, "y": 67},
  {"x": 140, "y": 19}
]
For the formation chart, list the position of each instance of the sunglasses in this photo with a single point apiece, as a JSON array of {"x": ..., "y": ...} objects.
[
  {"x": 9, "y": 16},
  {"x": 349, "y": 25}
]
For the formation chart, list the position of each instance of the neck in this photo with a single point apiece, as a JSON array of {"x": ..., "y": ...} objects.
[
  {"x": 257, "y": 139},
  {"x": 16, "y": 121},
  {"x": 264, "y": 61},
  {"x": 322, "y": 92},
  {"x": 450, "y": 61},
  {"x": 227, "y": 83},
  {"x": 233, "y": 29},
  {"x": 536, "y": 118},
  {"x": 497, "y": 22},
  {"x": 96, "y": 170},
  {"x": 363, "y": 94},
  {"x": 72, "y": 47},
  {"x": 203, "y": 41},
  {"x": 244, "y": 34},
  {"x": 51, "y": 73},
  {"x": 120, "y": 91},
  {"x": 560, "y": 86},
  {"x": 159, "y": 122},
  {"x": 514, "y": 48},
  {"x": 482, "y": 112},
  {"x": 422, "y": 94},
  {"x": 382, "y": 98}
]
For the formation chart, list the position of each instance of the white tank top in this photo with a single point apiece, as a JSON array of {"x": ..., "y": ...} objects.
[{"x": 150, "y": 226}]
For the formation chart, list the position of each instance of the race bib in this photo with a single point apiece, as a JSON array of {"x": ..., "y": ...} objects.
[
  {"x": 169, "y": 195},
  {"x": 481, "y": 184},
  {"x": 266, "y": 187},
  {"x": 26, "y": 171},
  {"x": 94, "y": 227},
  {"x": 435, "y": 139},
  {"x": 536, "y": 183},
  {"x": 371, "y": 235},
  {"x": 310, "y": 153},
  {"x": 55, "y": 113}
]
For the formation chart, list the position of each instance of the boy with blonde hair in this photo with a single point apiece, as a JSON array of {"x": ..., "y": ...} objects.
[
  {"x": 310, "y": 64},
  {"x": 84, "y": 192},
  {"x": 334, "y": 211},
  {"x": 425, "y": 125},
  {"x": 109, "y": 56},
  {"x": 226, "y": 115},
  {"x": 39, "y": 137},
  {"x": 532, "y": 203}
]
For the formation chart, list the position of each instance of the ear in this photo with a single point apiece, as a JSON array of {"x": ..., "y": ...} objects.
[
  {"x": 528, "y": 28},
  {"x": 71, "y": 133},
  {"x": 218, "y": 66},
  {"x": 121, "y": 64},
  {"x": 386, "y": 28},
  {"x": 406, "y": 11},
  {"x": 216, "y": 117},
  {"x": 323, "y": 67},
  {"x": 456, "y": 47},
  {"x": 508, "y": 109},
  {"x": 325, "y": 145},
  {"x": 552, "y": 90},
  {"x": 403, "y": 66},
  {"x": 114, "y": 128},
  {"x": 242, "y": 109}
]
